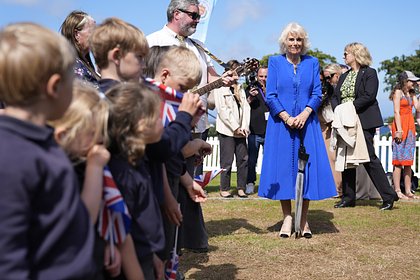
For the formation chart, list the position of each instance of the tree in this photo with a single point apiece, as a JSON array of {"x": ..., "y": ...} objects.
[
  {"x": 323, "y": 58},
  {"x": 392, "y": 67}
]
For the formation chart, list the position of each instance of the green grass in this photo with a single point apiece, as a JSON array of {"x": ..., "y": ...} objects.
[{"x": 351, "y": 243}]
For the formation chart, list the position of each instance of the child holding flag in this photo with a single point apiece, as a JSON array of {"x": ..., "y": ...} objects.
[
  {"x": 81, "y": 132},
  {"x": 134, "y": 123}
]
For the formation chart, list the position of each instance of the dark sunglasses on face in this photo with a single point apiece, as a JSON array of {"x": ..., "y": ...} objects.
[
  {"x": 345, "y": 54},
  {"x": 329, "y": 77},
  {"x": 192, "y": 15}
]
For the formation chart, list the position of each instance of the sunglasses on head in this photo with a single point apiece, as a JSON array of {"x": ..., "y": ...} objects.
[{"x": 192, "y": 15}]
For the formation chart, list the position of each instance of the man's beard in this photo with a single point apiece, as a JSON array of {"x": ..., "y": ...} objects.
[{"x": 188, "y": 30}]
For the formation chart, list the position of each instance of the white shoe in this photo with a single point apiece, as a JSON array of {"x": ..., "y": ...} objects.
[{"x": 250, "y": 188}]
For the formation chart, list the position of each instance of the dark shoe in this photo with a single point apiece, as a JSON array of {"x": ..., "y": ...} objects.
[
  {"x": 387, "y": 206},
  {"x": 344, "y": 204},
  {"x": 242, "y": 194},
  {"x": 198, "y": 250},
  {"x": 226, "y": 194}
]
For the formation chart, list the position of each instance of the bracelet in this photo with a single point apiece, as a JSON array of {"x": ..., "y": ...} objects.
[
  {"x": 288, "y": 117},
  {"x": 308, "y": 110},
  {"x": 399, "y": 131}
]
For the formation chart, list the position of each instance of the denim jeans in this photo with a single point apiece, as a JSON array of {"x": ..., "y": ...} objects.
[{"x": 254, "y": 143}]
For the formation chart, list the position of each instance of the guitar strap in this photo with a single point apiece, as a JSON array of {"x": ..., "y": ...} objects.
[{"x": 215, "y": 58}]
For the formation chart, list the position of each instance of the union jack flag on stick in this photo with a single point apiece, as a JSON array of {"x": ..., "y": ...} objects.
[
  {"x": 114, "y": 219},
  {"x": 205, "y": 179},
  {"x": 172, "y": 265},
  {"x": 170, "y": 100}
]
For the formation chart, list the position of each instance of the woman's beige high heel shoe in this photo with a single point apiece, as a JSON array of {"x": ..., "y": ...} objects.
[
  {"x": 286, "y": 228},
  {"x": 307, "y": 231}
]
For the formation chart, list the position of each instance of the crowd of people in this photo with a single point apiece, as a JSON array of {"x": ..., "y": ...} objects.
[{"x": 71, "y": 128}]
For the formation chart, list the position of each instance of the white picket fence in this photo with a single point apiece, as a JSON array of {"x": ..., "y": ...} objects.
[{"x": 383, "y": 149}]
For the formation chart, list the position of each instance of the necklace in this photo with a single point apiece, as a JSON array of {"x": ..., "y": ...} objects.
[{"x": 295, "y": 65}]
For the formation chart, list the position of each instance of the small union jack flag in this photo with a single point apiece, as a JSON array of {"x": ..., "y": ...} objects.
[
  {"x": 170, "y": 100},
  {"x": 172, "y": 265},
  {"x": 204, "y": 180},
  {"x": 114, "y": 219}
]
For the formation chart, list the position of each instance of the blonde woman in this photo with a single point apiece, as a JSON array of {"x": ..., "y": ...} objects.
[{"x": 360, "y": 86}]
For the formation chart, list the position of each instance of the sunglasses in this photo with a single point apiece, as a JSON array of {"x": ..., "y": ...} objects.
[
  {"x": 329, "y": 77},
  {"x": 192, "y": 15},
  {"x": 345, "y": 54}
]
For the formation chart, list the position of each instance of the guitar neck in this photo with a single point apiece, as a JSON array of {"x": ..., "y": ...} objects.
[{"x": 209, "y": 87}]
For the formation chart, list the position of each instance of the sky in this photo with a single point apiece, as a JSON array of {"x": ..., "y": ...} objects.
[{"x": 250, "y": 28}]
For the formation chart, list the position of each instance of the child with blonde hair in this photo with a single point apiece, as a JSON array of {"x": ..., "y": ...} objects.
[
  {"x": 45, "y": 231},
  {"x": 82, "y": 133},
  {"x": 178, "y": 68}
]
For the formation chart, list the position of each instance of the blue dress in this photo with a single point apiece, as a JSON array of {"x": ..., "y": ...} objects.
[{"x": 292, "y": 93}]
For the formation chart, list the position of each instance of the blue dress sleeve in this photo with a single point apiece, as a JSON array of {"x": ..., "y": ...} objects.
[
  {"x": 316, "y": 95},
  {"x": 273, "y": 101}
]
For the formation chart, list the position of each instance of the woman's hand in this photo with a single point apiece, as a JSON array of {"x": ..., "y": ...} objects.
[
  {"x": 240, "y": 132},
  {"x": 398, "y": 137},
  {"x": 300, "y": 120}
]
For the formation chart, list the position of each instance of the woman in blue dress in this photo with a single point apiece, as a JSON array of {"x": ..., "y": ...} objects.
[{"x": 293, "y": 97}]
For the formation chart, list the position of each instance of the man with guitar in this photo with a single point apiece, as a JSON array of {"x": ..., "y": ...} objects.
[{"x": 183, "y": 17}]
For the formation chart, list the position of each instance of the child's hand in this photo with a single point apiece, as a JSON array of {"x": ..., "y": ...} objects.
[
  {"x": 196, "y": 193},
  {"x": 158, "y": 265},
  {"x": 190, "y": 103},
  {"x": 205, "y": 149},
  {"x": 98, "y": 155},
  {"x": 113, "y": 268},
  {"x": 172, "y": 210},
  {"x": 196, "y": 117}
]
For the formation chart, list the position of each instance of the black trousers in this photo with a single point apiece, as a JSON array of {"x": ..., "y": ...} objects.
[
  {"x": 229, "y": 147},
  {"x": 375, "y": 171},
  {"x": 192, "y": 233}
]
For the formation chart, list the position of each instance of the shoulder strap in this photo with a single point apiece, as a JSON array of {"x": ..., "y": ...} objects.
[{"x": 220, "y": 62}]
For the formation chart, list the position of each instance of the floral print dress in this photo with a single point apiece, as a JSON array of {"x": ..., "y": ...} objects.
[{"x": 403, "y": 153}]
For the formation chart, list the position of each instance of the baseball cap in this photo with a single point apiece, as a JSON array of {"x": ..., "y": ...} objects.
[{"x": 411, "y": 76}]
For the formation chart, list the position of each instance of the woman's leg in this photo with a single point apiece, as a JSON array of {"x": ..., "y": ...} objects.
[
  {"x": 407, "y": 180},
  {"x": 227, "y": 148},
  {"x": 305, "y": 208},
  {"x": 286, "y": 228},
  {"x": 304, "y": 226},
  {"x": 286, "y": 207},
  {"x": 241, "y": 153},
  {"x": 349, "y": 185},
  {"x": 396, "y": 178}
]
